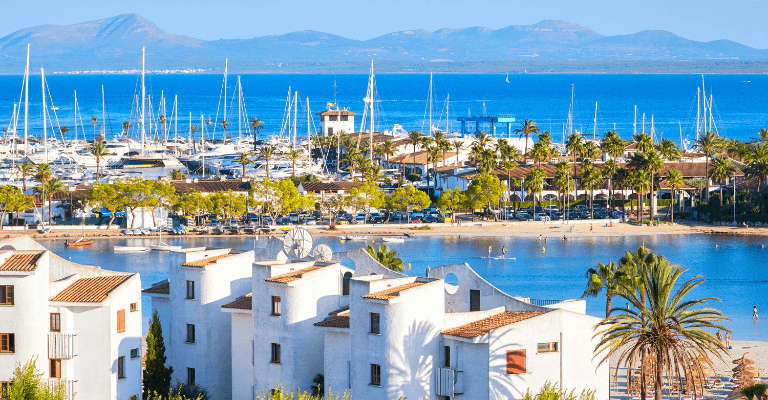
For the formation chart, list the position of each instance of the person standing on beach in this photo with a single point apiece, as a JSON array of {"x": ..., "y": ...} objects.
[
  {"x": 727, "y": 340},
  {"x": 719, "y": 335},
  {"x": 503, "y": 251},
  {"x": 489, "y": 251},
  {"x": 590, "y": 228},
  {"x": 754, "y": 313}
]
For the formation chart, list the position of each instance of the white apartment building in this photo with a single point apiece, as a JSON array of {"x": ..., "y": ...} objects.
[
  {"x": 382, "y": 335},
  {"x": 81, "y": 324},
  {"x": 196, "y": 333}
]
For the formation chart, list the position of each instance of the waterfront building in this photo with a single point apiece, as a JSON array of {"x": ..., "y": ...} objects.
[
  {"x": 380, "y": 335},
  {"x": 81, "y": 324},
  {"x": 197, "y": 335},
  {"x": 334, "y": 121}
]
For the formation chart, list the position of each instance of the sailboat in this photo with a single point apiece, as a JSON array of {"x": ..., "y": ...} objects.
[
  {"x": 507, "y": 78},
  {"x": 161, "y": 246}
]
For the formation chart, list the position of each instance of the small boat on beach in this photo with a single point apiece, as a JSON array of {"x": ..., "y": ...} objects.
[
  {"x": 355, "y": 237},
  {"x": 393, "y": 239},
  {"x": 129, "y": 249},
  {"x": 163, "y": 247},
  {"x": 80, "y": 243}
]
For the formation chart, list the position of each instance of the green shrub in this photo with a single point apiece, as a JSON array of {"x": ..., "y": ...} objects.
[
  {"x": 550, "y": 391},
  {"x": 280, "y": 393},
  {"x": 754, "y": 390}
]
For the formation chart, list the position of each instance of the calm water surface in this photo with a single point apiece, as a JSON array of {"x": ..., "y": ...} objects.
[{"x": 734, "y": 267}]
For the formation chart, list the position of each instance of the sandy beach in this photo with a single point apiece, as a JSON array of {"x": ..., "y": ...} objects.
[{"x": 555, "y": 229}]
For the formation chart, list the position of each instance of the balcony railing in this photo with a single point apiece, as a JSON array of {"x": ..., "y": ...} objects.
[
  {"x": 61, "y": 345},
  {"x": 542, "y": 303},
  {"x": 449, "y": 382},
  {"x": 69, "y": 387}
]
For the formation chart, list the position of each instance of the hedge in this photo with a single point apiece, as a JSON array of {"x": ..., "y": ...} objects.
[{"x": 604, "y": 203}]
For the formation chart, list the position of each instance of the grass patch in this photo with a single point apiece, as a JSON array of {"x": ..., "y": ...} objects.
[
  {"x": 422, "y": 228},
  {"x": 332, "y": 228},
  {"x": 646, "y": 221}
]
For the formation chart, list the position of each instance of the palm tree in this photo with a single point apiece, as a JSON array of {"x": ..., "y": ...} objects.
[
  {"x": 294, "y": 156},
  {"x": 534, "y": 182},
  {"x": 256, "y": 124},
  {"x": 673, "y": 330},
  {"x": 509, "y": 166},
  {"x": 763, "y": 133},
  {"x": 244, "y": 159},
  {"x": 641, "y": 183},
  {"x": 563, "y": 180},
  {"x": 163, "y": 120},
  {"x": 668, "y": 150},
  {"x": 192, "y": 130},
  {"x": 653, "y": 164},
  {"x": 99, "y": 150},
  {"x": 63, "y": 130},
  {"x": 93, "y": 122},
  {"x": 674, "y": 181},
  {"x": 388, "y": 150},
  {"x": 43, "y": 173},
  {"x": 48, "y": 189},
  {"x": 225, "y": 125},
  {"x": 267, "y": 152},
  {"x": 25, "y": 168},
  {"x": 482, "y": 139},
  {"x": 434, "y": 154},
  {"x": 721, "y": 169},
  {"x": 709, "y": 144},
  {"x": 127, "y": 125},
  {"x": 527, "y": 128},
  {"x": 176, "y": 175},
  {"x": 386, "y": 257},
  {"x": 591, "y": 179},
  {"x": 613, "y": 144},
  {"x": 414, "y": 138},
  {"x": 758, "y": 162},
  {"x": 457, "y": 145},
  {"x": 608, "y": 277}
]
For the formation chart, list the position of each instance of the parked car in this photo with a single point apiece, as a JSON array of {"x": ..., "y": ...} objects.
[
  {"x": 215, "y": 222},
  {"x": 416, "y": 221},
  {"x": 397, "y": 215},
  {"x": 551, "y": 208},
  {"x": 231, "y": 223},
  {"x": 430, "y": 219},
  {"x": 542, "y": 216}
]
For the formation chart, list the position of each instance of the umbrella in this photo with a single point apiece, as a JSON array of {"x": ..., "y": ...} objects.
[
  {"x": 743, "y": 367},
  {"x": 743, "y": 360}
]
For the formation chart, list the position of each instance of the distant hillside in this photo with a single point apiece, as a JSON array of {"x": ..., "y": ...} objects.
[{"x": 115, "y": 44}]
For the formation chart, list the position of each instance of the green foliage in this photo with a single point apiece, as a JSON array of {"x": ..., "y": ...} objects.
[
  {"x": 156, "y": 376},
  {"x": 757, "y": 390},
  {"x": 177, "y": 394},
  {"x": 12, "y": 200},
  {"x": 413, "y": 177},
  {"x": 386, "y": 257},
  {"x": 550, "y": 391},
  {"x": 422, "y": 228},
  {"x": 280, "y": 393},
  {"x": 484, "y": 190},
  {"x": 366, "y": 195},
  {"x": 407, "y": 197},
  {"x": 280, "y": 197},
  {"x": 28, "y": 384},
  {"x": 451, "y": 199},
  {"x": 299, "y": 179}
]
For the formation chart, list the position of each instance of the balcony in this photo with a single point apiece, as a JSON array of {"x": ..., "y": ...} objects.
[
  {"x": 61, "y": 346},
  {"x": 449, "y": 382},
  {"x": 69, "y": 387}
]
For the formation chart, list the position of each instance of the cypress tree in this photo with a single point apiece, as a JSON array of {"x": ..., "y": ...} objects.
[{"x": 157, "y": 378}]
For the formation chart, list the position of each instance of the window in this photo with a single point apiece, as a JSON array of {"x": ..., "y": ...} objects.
[
  {"x": 55, "y": 368},
  {"x": 375, "y": 326},
  {"x": 121, "y": 367},
  {"x": 191, "y": 376},
  {"x": 6, "y": 295},
  {"x": 333, "y": 118},
  {"x": 55, "y": 322},
  {"x": 516, "y": 362},
  {"x": 276, "y": 309},
  {"x": 191, "y": 290},
  {"x": 134, "y": 397},
  {"x": 344, "y": 118},
  {"x": 190, "y": 333},
  {"x": 275, "y": 353},
  {"x": 120, "y": 321},
  {"x": 375, "y": 374},
  {"x": 546, "y": 347},
  {"x": 447, "y": 356},
  {"x": 345, "y": 284},
  {"x": 330, "y": 132},
  {"x": 134, "y": 307},
  {"x": 135, "y": 353},
  {"x": 474, "y": 300},
  {"x": 7, "y": 343}
]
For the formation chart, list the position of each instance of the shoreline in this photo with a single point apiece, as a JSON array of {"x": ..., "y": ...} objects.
[{"x": 554, "y": 230}]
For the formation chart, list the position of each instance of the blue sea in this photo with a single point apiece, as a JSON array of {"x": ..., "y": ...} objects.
[
  {"x": 739, "y": 101},
  {"x": 733, "y": 266}
]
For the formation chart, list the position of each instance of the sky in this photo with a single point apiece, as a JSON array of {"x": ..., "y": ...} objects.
[{"x": 703, "y": 20}]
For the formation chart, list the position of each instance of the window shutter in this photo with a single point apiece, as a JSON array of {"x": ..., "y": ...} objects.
[
  {"x": 121, "y": 320},
  {"x": 516, "y": 362}
]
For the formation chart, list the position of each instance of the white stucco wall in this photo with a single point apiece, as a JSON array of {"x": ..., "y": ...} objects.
[
  {"x": 243, "y": 342},
  {"x": 337, "y": 359}
]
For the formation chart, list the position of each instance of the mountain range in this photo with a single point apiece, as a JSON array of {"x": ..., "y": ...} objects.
[{"x": 115, "y": 44}]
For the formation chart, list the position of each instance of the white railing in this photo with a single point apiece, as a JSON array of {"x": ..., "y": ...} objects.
[
  {"x": 449, "y": 382},
  {"x": 61, "y": 346},
  {"x": 69, "y": 387}
]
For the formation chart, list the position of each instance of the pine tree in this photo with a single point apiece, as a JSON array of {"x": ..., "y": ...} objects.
[{"x": 157, "y": 378}]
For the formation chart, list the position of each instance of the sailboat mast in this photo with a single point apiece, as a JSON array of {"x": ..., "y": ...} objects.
[
  {"x": 175, "y": 116},
  {"x": 143, "y": 94},
  {"x": 447, "y": 110},
  {"x": 202, "y": 141},
  {"x": 704, "y": 96},
  {"x": 75, "y": 139},
  {"x": 45, "y": 124},
  {"x": 26, "y": 103},
  {"x": 653, "y": 131},
  {"x": 643, "y": 122},
  {"x": 698, "y": 113},
  {"x": 226, "y": 70},
  {"x": 634, "y": 124},
  {"x": 570, "y": 113},
  {"x": 295, "y": 110},
  {"x": 711, "y": 120},
  {"x": 594, "y": 125},
  {"x": 429, "y": 128},
  {"x": 370, "y": 147},
  {"x": 191, "y": 138},
  {"x": 239, "y": 108},
  {"x": 103, "y": 114}
]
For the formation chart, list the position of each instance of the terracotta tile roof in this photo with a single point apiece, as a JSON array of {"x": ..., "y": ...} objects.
[
  {"x": 91, "y": 290},
  {"x": 163, "y": 287},
  {"x": 241, "y": 303},
  {"x": 340, "y": 311},
  {"x": 328, "y": 186},
  {"x": 421, "y": 158},
  {"x": 337, "y": 321},
  {"x": 210, "y": 186},
  {"x": 21, "y": 262},
  {"x": 336, "y": 112},
  {"x": 391, "y": 293},
  {"x": 293, "y": 275},
  {"x": 483, "y": 326},
  {"x": 204, "y": 262}
]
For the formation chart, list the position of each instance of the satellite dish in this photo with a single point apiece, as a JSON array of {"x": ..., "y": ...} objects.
[
  {"x": 323, "y": 253},
  {"x": 297, "y": 243}
]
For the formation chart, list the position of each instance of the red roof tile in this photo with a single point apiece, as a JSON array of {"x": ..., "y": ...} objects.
[
  {"x": 21, "y": 262},
  {"x": 204, "y": 262},
  {"x": 163, "y": 287},
  {"x": 391, "y": 293},
  {"x": 91, "y": 290},
  {"x": 338, "y": 321},
  {"x": 483, "y": 326},
  {"x": 241, "y": 303},
  {"x": 293, "y": 275}
]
